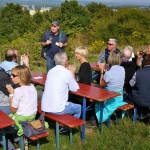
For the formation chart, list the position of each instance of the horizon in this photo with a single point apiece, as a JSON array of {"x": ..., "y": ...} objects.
[{"x": 82, "y": 2}]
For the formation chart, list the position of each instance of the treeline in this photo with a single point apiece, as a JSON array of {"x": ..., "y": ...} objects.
[{"x": 91, "y": 25}]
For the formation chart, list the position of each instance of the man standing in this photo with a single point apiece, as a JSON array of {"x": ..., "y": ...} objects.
[
  {"x": 59, "y": 82},
  {"x": 53, "y": 41}
]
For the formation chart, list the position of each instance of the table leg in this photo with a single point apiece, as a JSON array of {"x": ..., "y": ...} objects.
[
  {"x": 101, "y": 117},
  {"x": 83, "y": 117},
  {"x": 4, "y": 140}
]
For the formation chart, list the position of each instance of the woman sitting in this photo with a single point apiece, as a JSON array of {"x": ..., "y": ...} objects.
[
  {"x": 112, "y": 80},
  {"x": 23, "y": 100},
  {"x": 84, "y": 75}
]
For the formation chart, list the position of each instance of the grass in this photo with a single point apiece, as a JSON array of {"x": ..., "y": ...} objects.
[{"x": 124, "y": 136}]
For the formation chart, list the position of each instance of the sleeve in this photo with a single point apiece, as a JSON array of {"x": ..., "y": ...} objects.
[
  {"x": 16, "y": 98},
  {"x": 45, "y": 36},
  {"x": 133, "y": 80},
  {"x": 73, "y": 85},
  {"x": 102, "y": 57},
  {"x": 107, "y": 76}
]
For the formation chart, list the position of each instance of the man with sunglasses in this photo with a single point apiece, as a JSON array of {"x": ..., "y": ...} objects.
[{"x": 111, "y": 46}]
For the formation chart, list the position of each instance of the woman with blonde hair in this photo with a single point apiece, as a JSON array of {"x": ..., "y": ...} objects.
[
  {"x": 23, "y": 100},
  {"x": 84, "y": 75},
  {"x": 112, "y": 80}
]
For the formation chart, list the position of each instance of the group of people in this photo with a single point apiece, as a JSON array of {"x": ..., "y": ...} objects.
[{"x": 119, "y": 72}]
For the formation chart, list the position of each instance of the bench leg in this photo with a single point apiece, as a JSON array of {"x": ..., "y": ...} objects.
[
  {"x": 4, "y": 140},
  {"x": 134, "y": 115},
  {"x": 101, "y": 117},
  {"x": 71, "y": 136},
  {"x": 38, "y": 144},
  {"x": 21, "y": 143},
  {"x": 57, "y": 135}
]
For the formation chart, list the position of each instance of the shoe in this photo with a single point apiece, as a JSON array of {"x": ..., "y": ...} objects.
[
  {"x": 63, "y": 130},
  {"x": 91, "y": 123}
]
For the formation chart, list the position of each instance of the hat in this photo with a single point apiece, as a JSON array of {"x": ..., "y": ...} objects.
[{"x": 56, "y": 23}]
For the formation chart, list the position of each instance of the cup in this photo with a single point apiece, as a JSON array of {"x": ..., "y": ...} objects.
[{"x": 77, "y": 77}]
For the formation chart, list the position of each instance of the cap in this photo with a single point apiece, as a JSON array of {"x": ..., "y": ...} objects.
[{"x": 56, "y": 23}]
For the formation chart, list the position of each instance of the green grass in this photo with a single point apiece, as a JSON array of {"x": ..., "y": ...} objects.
[{"x": 124, "y": 136}]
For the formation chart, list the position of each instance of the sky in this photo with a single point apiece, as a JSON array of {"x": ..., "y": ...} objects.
[{"x": 130, "y": 2}]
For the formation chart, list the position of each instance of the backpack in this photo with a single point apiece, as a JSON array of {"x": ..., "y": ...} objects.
[{"x": 48, "y": 36}]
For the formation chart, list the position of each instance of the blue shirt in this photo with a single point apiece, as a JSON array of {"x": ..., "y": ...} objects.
[
  {"x": 115, "y": 78},
  {"x": 8, "y": 65}
]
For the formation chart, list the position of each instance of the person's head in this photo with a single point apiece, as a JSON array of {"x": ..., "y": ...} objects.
[
  {"x": 81, "y": 51},
  {"x": 21, "y": 75},
  {"x": 127, "y": 52},
  {"x": 111, "y": 44},
  {"x": 55, "y": 27},
  {"x": 146, "y": 60},
  {"x": 61, "y": 59},
  {"x": 148, "y": 49},
  {"x": 10, "y": 55},
  {"x": 114, "y": 58}
]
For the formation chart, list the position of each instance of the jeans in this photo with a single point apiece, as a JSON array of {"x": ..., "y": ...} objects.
[
  {"x": 5, "y": 109},
  {"x": 9, "y": 130},
  {"x": 71, "y": 109},
  {"x": 49, "y": 63}
]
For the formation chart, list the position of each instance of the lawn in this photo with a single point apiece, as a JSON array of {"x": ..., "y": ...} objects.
[{"x": 124, "y": 136}]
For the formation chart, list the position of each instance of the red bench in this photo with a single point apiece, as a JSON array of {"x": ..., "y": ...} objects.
[{"x": 66, "y": 120}]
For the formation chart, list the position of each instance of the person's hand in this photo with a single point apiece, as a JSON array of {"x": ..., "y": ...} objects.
[
  {"x": 102, "y": 67},
  {"x": 139, "y": 54},
  {"x": 48, "y": 42},
  {"x": 9, "y": 89},
  {"x": 60, "y": 44},
  {"x": 72, "y": 68},
  {"x": 25, "y": 59}
]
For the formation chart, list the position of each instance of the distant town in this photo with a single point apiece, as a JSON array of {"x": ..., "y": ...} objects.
[{"x": 46, "y": 6}]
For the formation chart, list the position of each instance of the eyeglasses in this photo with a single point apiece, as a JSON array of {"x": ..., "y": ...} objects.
[
  {"x": 109, "y": 44},
  {"x": 13, "y": 75}
]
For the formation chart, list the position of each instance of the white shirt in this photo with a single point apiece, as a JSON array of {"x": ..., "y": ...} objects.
[
  {"x": 58, "y": 83},
  {"x": 25, "y": 99}
]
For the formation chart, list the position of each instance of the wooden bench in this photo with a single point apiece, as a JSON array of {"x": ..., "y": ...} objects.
[
  {"x": 33, "y": 138},
  {"x": 66, "y": 120},
  {"x": 121, "y": 108}
]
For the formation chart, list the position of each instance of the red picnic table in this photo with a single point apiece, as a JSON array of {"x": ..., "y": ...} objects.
[{"x": 5, "y": 121}]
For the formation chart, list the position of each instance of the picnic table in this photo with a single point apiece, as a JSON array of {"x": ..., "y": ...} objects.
[
  {"x": 5, "y": 121},
  {"x": 95, "y": 93}
]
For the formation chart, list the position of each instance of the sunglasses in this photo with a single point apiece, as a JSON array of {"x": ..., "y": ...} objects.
[
  {"x": 109, "y": 44},
  {"x": 13, "y": 75}
]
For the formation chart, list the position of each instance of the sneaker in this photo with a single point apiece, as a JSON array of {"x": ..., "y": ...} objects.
[
  {"x": 63, "y": 130},
  {"x": 91, "y": 123}
]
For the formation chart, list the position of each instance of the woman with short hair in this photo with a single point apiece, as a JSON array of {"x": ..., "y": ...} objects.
[{"x": 112, "y": 80}]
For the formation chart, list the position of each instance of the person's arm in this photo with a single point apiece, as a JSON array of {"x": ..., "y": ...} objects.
[
  {"x": 11, "y": 95},
  {"x": 133, "y": 80},
  {"x": 102, "y": 82},
  {"x": 139, "y": 59},
  {"x": 102, "y": 57}
]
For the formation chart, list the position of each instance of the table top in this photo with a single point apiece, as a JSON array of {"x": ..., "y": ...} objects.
[
  {"x": 94, "y": 66},
  {"x": 5, "y": 120},
  {"x": 39, "y": 79},
  {"x": 88, "y": 91},
  {"x": 95, "y": 93}
]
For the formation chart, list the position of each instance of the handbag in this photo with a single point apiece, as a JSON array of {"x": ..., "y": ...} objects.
[{"x": 33, "y": 128}]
